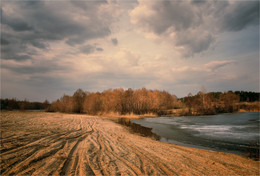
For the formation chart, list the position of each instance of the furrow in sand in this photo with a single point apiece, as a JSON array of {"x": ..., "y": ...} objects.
[
  {"x": 128, "y": 164},
  {"x": 112, "y": 163},
  {"x": 142, "y": 163},
  {"x": 121, "y": 153},
  {"x": 88, "y": 170},
  {"x": 52, "y": 164},
  {"x": 42, "y": 141},
  {"x": 78, "y": 166},
  {"x": 146, "y": 158},
  {"x": 69, "y": 161},
  {"x": 42, "y": 159},
  {"x": 98, "y": 160},
  {"x": 70, "y": 144},
  {"x": 100, "y": 155},
  {"x": 116, "y": 152},
  {"x": 31, "y": 158},
  {"x": 8, "y": 166},
  {"x": 91, "y": 156}
]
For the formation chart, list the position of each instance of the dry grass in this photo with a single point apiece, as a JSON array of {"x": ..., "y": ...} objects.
[{"x": 114, "y": 115}]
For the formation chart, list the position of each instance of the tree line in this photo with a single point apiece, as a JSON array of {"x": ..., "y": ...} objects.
[
  {"x": 217, "y": 102},
  {"x": 143, "y": 101},
  {"x": 14, "y": 104},
  {"x": 140, "y": 101}
]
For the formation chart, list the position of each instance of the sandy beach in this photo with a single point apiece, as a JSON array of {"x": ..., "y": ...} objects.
[{"x": 39, "y": 143}]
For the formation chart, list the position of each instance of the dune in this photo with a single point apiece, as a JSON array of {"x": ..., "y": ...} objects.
[{"x": 39, "y": 143}]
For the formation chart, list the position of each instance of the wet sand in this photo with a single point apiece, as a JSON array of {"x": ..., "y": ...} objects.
[{"x": 38, "y": 143}]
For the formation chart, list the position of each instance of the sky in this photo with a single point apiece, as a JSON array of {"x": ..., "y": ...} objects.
[{"x": 50, "y": 48}]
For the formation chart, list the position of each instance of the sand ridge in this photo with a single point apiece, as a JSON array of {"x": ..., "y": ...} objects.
[{"x": 39, "y": 143}]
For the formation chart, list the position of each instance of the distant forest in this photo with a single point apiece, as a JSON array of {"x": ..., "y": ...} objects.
[
  {"x": 14, "y": 104},
  {"x": 218, "y": 102},
  {"x": 143, "y": 101}
]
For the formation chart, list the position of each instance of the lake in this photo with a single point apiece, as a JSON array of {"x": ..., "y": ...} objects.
[{"x": 233, "y": 133}]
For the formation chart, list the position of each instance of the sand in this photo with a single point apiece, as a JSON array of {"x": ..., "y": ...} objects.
[{"x": 39, "y": 143}]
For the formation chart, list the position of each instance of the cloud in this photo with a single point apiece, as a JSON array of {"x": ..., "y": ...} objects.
[
  {"x": 190, "y": 41},
  {"x": 114, "y": 41},
  {"x": 56, "y": 47},
  {"x": 4, "y": 41},
  {"x": 31, "y": 68},
  {"x": 214, "y": 65},
  {"x": 17, "y": 24},
  {"x": 88, "y": 49},
  {"x": 126, "y": 59},
  {"x": 205, "y": 74},
  {"x": 160, "y": 16},
  {"x": 192, "y": 27},
  {"x": 241, "y": 15},
  {"x": 99, "y": 49},
  {"x": 29, "y": 24},
  {"x": 39, "y": 38},
  {"x": 121, "y": 62}
]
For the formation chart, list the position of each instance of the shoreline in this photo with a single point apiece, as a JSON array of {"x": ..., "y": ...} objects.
[
  {"x": 183, "y": 115},
  {"x": 113, "y": 115},
  {"x": 136, "y": 116},
  {"x": 40, "y": 143},
  {"x": 144, "y": 131}
]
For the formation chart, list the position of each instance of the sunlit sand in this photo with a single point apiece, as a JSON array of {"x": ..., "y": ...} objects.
[{"x": 38, "y": 143}]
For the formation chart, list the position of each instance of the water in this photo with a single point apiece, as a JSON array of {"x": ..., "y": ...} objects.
[{"x": 233, "y": 133}]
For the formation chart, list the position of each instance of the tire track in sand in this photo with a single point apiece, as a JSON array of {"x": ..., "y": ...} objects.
[
  {"x": 69, "y": 161},
  {"x": 107, "y": 151},
  {"x": 69, "y": 144}
]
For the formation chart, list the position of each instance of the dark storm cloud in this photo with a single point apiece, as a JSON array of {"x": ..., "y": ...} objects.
[
  {"x": 38, "y": 23},
  {"x": 39, "y": 37},
  {"x": 198, "y": 2},
  {"x": 13, "y": 48},
  {"x": 99, "y": 49},
  {"x": 88, "y": 49},
  {"x": 18, "y": 57},
  {"x": 17, "y": 24},
  {"x": 196, "y": 24},
  {"x": 36, "y": 67},
  {"x": 178, "y": 15},
  {"x": 114, "y": 41},
  {"x": 28, "y": 69},
  {"x": 194, "y": 42},
  {"x": 4, "y": 41},
  {"x": 39, "y": 44},
  {"x": 242, "y": 14}
]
